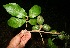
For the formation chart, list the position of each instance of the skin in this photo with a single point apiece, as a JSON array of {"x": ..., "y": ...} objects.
[{"x": 20, "y": 40}]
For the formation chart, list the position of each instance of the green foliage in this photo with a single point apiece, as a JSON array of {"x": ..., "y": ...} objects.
[
  {"x": 53, "y": 31},
  {"x": 16, "y": 22},
  {"x": 61, "y": 37},
  {"x": 18, "y": 19},
  {"x": 46, "y": 27},
  {"x": 67, "y": 37},
  {"x": 40, "y": 20},
  {"x": 34, "y": 11},
  {"x": 22, "y": 14},
  {"x": 62, "y": 32},
  {"x": 51, "y": 44},
  {"x": 33, "y": 21},
  {"x": 36, "y": 27},
  {"x": 15, "y": 10}
]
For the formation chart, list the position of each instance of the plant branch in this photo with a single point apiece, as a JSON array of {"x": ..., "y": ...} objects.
[{"x": 37, "y": 31}]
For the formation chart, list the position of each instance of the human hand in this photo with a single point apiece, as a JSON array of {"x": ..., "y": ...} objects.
[{"x": 20, "y": 39}]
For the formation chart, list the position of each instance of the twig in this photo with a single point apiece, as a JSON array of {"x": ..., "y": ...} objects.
[
  {"x": 26, "y": 23},
  {"x": 41, "y": 37},
  {"x": 45, "y": 32},
  {"x": 26, "y": 17},
  {"x": 26, "y": 20}
]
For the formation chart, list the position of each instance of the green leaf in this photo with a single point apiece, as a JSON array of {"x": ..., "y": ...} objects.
[
  {"x": 61, "y": 37},
  {"x": 16, "y": 22},
  {"x": 62, "y": 32},
  {"x": 22, "y": 14},
  {"x": 51, "y": 44},
  {"x": 15, "y": 10},
  {"x": 12, "y": 8},
  {"x": 67, "y": 37},
  {"x": 34, "y": 11},
  {"x": 40, "y": 20},
  {"x": 53, "y": 31},
  {"x": 46, "y": 27},
  {"x": 33, "y": 21},
  {"x": 36, "y": 27}
]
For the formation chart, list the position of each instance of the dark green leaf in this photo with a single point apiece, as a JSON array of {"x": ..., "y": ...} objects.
[
  {"x": 16, "y": 22},
  {"x": 62, "y": 32},
  {"x": 34, "y": 11},
  {"x": 51, "y": 44},
  {"x": 33, "y": 21},
  {"x": 67, "y": 37}
]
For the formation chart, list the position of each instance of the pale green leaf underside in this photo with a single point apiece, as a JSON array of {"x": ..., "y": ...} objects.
[
  {"x": 16, "y": 22},
  {"x": 46, "y": 27},
  {"x": 61, "y": 37},
  {"x": 40, "y": 20},
  {"x": 15, "y": 10},
  {"x": 36, "y": 27},
  {"x": 34, "y": 11},
  {"x": 53, "y": 31},
  {"x": 33, "y": 21}
]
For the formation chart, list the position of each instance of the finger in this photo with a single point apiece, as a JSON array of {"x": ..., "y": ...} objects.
[
  {"x": 25, "y": 38},
  {"x": 28, "y": 35},
  {"x": 22, "y": 33},
  {"x": 23, "y": 41}
]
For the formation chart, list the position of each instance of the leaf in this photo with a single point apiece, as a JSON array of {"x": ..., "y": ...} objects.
[
  {"x": 15, "y": 10},
  {"x": 62, "y": 32},
  {"x": 40, "y": 20},
  {"x": 22, "y": 14},
  {"x": 16, "y": 22},
  {"x": 53, "y": 31},
  {"x": 36, "y": 27},
  {"x": 67, "y": 37},
  {"x": 12, "y": 8},
  {"x": 61, "y": 37},
  {"x": 34, "y": 11},
  {"x": 33, "y": 21},
  {"x": 46, "y": 27},
  {"x": 51, "y": 44}
]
